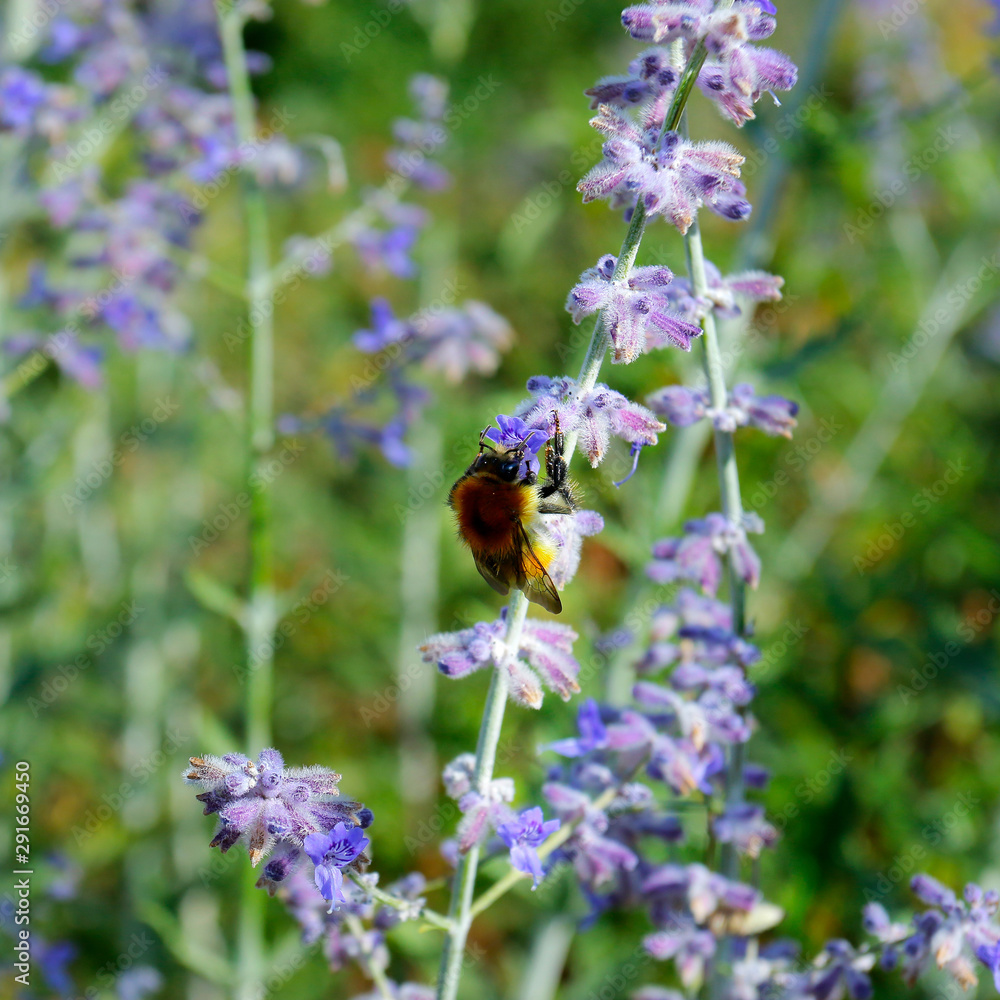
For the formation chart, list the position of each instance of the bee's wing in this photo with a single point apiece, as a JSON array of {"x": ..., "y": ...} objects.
[
  {"x": 533, "y": 578},
  {"x": 488, "y": 571}
]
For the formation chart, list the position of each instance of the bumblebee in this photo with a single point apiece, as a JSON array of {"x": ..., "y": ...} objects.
[{"x": 498, "y": 508}]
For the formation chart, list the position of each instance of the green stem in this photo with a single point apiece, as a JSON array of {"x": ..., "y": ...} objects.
[
  {"x": 464, "y": 882},
  {"x": 261, "y": 616},
  {"x": 428, "y": 916},
  {"x": 373, "y": 969},
  {"x": 725, "y": 454}
]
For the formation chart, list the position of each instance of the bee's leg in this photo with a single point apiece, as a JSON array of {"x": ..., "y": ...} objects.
[{"x": 557, "y": 496}]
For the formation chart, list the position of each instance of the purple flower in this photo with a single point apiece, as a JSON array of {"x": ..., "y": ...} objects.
[
  {"x": 745, "y": 826},
  {"x": 388, "y": 250},
  {"x": 596, "y": 416},
  {"x": 332, "y": 852},
  {"x": 696, "y": 555},
  {"x": 455, "y": 342},
  {"x": 931, "y": 891},
  {"x": 637, "y": 313},
  {"x": 138, "y": 983},
  {"x": 523, "y": 835},
  {"x": 482, "y": 812},
  {"x": 593, "y": 735},
  {"x": 679, "y": 405},
  {"x": 950, "y": 931},
  {"x": 842, "y": 969},
  {"x": 386, "y": 329},
  {"x": 689, "y": 947},
  {"x": 989, "y": 955},
  {"x": 567, "y": 532},
  {"x": 514, "y": 433},
  {"x": 650, "y": 81},
  {"x": 736, "y": 72},
  {"x": 264, "y": 803},
  {"x": 547, "y": 648},
  {"x": 53, "y": 958},
  {"x": 683, "y": 406},
  {"x": 22, "y": 93},
  {"x": 673, "y": 178}
]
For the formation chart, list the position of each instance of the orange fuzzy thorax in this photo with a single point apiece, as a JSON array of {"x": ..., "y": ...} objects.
[{"x": 485, "y": 509}]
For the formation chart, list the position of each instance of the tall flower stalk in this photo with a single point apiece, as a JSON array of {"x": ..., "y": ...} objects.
[
  {"x": 463, "y": 885},
  {"x": 259, "y": 616}
]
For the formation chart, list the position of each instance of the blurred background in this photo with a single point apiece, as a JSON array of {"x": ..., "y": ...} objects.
[{"x": 876, "y": 196}]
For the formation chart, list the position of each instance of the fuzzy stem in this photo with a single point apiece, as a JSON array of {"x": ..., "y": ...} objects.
[
  {"x": 725, "y": 454},
  {"x": 261, "y": 617},
  {"x": 464, "y": 883}
]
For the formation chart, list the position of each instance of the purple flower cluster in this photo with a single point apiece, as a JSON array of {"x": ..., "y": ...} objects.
[
  {"x": 736, "y": 72},
  {"x": 724, "y": 294},
  {"x": 385, "y": 243},
  {"x": 450, "y": 342},
  {"x": 697, "y": 555},
  {"x": 545, "y": 655},
  {"x": 490, "y": 811},
  {"x": 266, "y": 805},
  {"x": 159, "y": 77},
  {"x": 673, "y": 176},
  {"x": 683, "y": 406},
  {"x": 948, "y": 935},
  {"x": 596, "y": 416},
  {"x": 638, "y": 312},
  {"x": 319, "y": 922}
]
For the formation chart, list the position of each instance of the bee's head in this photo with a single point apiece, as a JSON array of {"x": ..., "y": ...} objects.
[{"x": 504, "y": 463}]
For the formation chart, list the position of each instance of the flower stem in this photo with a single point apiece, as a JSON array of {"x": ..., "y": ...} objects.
[
  {"x": 464, "y": 883},
  {"x": 725, "y": 454},
  {"x": 260, "y": 617},
  {"x": 368, "y": 962}
]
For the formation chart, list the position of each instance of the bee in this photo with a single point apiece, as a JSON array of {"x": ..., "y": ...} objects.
[{"x": 498, "y": 505}]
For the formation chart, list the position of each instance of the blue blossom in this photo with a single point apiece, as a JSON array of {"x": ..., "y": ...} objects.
[
  {"x": 138, "y": 983},
  {"x": 331, "y": 852},
  {"x": 697, "y": 554},
  {"x": 683, "y": 406},
  {"x": 523, "y": 835},
  {"x": 736, "y": 72},
  {"x": 593, "y": 734},
  {"x": 53, "y": 959},
  {"x": 514, "y": 433}
]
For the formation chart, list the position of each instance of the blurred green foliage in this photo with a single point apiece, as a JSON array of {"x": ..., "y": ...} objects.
[{"x": 885, "y": 761}]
